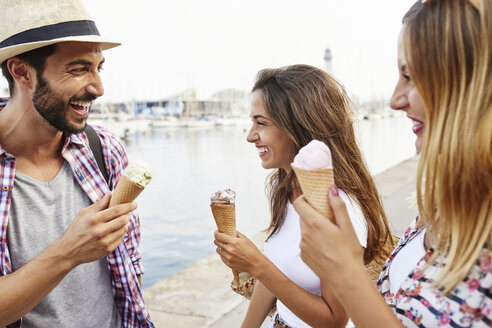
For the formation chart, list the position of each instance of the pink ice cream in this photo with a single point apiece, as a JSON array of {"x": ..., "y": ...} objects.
[{"x": 315, "y": 155}]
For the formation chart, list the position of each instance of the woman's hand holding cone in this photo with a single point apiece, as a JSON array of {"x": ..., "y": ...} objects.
[{"x": 239, "y": 253}]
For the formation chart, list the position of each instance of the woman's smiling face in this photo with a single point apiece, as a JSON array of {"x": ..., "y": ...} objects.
[
  {"x": 274, "y": 146},
  {"x": 407, "y": 98}
]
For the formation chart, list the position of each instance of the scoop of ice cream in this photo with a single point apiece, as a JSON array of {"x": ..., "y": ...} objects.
[
  {"x": 224, "y": 196},
  {"x": 139, "y": 172},
  {"x": 315, "y": 155}
]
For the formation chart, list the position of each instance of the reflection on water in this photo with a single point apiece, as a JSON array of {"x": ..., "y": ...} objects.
[{"x": 190, "y": 164}]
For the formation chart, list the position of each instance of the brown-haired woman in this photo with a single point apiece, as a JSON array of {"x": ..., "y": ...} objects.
[
  {"x": 290, "y": 107},
  {"x": 440, "y": 274}
]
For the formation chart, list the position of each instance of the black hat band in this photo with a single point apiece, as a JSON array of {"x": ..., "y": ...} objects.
[{"x": 51, "y": 32}]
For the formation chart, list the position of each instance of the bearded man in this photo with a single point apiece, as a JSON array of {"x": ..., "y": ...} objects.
[{"x": 66, "y": 259}]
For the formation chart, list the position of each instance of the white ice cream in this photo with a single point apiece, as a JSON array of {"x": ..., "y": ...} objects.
[{"x": 224, "y": 196}]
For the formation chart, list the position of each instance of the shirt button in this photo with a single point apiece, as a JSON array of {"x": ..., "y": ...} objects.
[
  {"x": 79, "y": 175},
  {"x": 5, "y": 188}
]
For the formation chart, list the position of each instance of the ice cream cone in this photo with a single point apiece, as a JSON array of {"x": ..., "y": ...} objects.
[
  {"x": 126, "y": 191},
  {"x": 225, "y": 218},
  {"x": 315, "y": 185}
]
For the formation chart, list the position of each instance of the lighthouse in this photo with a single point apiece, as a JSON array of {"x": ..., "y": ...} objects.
[{"x": 328, "y": 63}]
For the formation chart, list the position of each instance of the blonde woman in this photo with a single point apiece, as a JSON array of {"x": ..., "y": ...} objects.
[
  {"x": 290, "y": 107},
  {"x": 439, "y": 275}
]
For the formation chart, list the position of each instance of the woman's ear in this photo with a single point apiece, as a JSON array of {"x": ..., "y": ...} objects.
[{"x": 24, "y": 75}]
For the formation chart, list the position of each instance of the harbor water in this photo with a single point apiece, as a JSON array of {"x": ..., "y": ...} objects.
[{"x": 190, "y": 164}]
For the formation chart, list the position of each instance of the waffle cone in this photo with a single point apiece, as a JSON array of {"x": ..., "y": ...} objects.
[
  {"x": 245, "y": 287},
  {"x": 225, "y": 219},
  {"x": 315, "y": 185},
  {"x": 126, "y": 191}
]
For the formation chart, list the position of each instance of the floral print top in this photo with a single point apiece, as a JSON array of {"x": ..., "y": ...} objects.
[{"x": 418, "y": 304}]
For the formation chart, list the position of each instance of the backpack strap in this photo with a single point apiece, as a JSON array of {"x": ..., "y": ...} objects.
[{"x": 96, "y": 147}]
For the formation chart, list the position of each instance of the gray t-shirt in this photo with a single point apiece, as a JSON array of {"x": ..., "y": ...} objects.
[{"x": 40, "y": 212}]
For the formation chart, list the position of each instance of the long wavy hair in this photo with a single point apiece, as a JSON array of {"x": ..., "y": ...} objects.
[
  {"x": 448, "y": 48},
  {"x": 306, "y": 103}
]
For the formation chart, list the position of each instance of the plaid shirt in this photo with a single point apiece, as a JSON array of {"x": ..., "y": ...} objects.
[{"x": 124, "y": 262}]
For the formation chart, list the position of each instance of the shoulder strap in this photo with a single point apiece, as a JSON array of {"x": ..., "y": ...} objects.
[{"x": 95, "y": 144}]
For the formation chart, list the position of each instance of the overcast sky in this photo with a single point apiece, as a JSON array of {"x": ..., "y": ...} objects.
[{"x": 210, "y": 45}]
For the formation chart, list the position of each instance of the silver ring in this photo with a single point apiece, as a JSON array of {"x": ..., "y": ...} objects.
[{"x": 221, "y": 244}]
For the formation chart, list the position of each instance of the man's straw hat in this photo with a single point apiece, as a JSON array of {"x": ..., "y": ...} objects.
[{"x": 30, "y": 24}]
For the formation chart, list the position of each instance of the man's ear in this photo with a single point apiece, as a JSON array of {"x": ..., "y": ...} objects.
[{"x": 23, "y": 74}]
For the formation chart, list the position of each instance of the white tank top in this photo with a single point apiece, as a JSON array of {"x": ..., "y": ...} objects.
[
  {"x": 406, "y": 260},
  {"x": 283, "y": 250}
]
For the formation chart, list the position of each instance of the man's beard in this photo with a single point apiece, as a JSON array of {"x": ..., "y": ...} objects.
[{"x": 54, "y": 109}]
